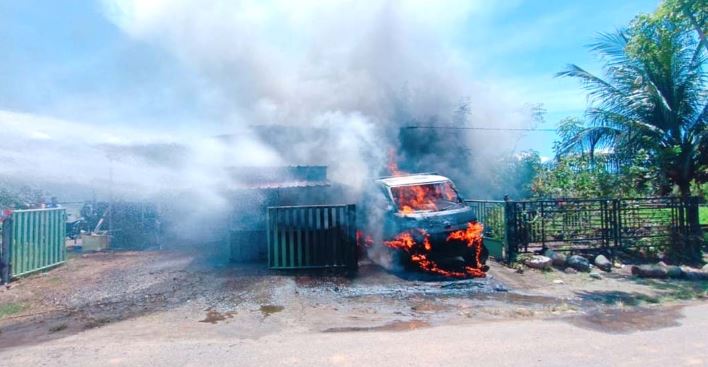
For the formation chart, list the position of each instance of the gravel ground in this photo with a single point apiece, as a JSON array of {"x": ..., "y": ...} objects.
[{"x": 198, "y": 296}]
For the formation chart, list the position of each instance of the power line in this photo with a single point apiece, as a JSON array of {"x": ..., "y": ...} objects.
[{"x": 477, "y": 128}]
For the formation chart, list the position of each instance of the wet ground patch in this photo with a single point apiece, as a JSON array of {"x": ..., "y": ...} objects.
[
  {"x": 213, "y": 316},
  {"x": 391, "y": 326},
  {"x": 267, "y": 310},
  {"x": 628, "y": 320}
]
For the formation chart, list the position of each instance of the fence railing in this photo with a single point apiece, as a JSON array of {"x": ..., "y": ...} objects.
[
  {"x": 595, "y": 225},
  {"x": 32, "y": 240},
  {"x": 308, "y": 237},
  {"x": 491, "y": 214},
  {"x": 600, "y": 225}
]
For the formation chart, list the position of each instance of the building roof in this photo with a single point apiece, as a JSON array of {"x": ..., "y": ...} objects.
[
  {"x": 281, "y": 177},
  {"x": 281, "y": 185},
  {"x": 414, "y": 179}
]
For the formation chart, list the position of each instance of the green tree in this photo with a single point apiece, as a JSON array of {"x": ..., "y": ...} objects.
[
  {"x": 693, "y": 13},
  {"x": 514, "y": 175},
  {"x": 652, "y": 97},
  {"x": 577, "y": 175}
]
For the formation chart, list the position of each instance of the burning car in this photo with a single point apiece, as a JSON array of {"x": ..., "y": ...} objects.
[{"x": 425, "y": 222}]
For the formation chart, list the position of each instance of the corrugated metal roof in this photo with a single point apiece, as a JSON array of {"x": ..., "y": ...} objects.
[{"x": 281, "y": 185}]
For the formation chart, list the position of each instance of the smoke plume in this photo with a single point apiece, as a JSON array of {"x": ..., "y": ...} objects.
[
  {"x": 347, "y": 74},
  {"x": 358, "y": 70}
]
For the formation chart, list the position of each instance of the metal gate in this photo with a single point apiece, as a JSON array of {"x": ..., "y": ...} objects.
[
  {"x": 599, "y": 225},
  {"x": 32, "y": 240},
  {"x": 310, "y": 237},
  {"x": 491, "y": 214}
]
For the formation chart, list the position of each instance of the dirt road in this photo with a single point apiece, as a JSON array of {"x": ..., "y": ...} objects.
[
  {"x": 174, "y": 308},
  {"x": 141, "y": 342}
]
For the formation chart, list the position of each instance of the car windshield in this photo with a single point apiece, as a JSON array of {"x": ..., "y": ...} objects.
[{"x": 426, "y": 197}]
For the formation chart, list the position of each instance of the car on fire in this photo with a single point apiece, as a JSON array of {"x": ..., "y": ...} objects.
[{"x": 423, "y": 218}]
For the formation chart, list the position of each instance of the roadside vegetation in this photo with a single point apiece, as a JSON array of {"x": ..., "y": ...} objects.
[
  {"x": 9, "y": 309},
  {"x": 644, "y": 131}
]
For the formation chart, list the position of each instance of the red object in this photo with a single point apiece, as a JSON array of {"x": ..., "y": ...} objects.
[{"x": 5, "y": 213}]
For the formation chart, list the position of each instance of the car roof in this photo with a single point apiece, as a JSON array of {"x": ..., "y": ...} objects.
[{"x": 414, "y": 179}]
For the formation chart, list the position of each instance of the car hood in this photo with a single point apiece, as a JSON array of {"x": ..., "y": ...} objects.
[{"x": 445, "y": 218}]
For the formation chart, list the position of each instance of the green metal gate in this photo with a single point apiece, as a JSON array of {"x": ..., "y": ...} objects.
[
  {"x": 32, "y": 240},
  {"x": 309, "y": 237}
]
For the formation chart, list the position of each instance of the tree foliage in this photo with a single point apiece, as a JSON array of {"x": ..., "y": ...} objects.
[
  {"x": 19, "y": 197},
  {"x": 514, "y": 175},
  {"x": 651, "y": 98},
  {"x": 601, "y": 176}
]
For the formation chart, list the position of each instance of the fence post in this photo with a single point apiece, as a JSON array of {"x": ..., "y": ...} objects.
[
  {"x": 510, "y": 229},
  {"x": 351, "y": 239},
  {"x": 617, "y": 219},
  {"x": 694, "y": 235},
  {"x": 5, "y": 264},
  {"x": 543, "y": 227},
  {"x": 610, "y": 242}
]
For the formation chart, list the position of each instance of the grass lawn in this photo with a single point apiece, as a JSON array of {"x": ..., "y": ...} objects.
[
  {"x": 703, "y": 219},
  {"x": 9, "y": 309}
]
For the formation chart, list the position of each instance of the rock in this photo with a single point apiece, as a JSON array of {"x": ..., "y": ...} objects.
[
  {"x": 650, "y": 271},
  {"x": 538, "y": 262},
  {"x": 570, "y": 270},
  {"x": 557, "y": 281},
  {"x": 705, "y": 268},
  {"x": 673, "y": 271},
  {"x": 579, "y": 263},
  {"x": 557, "y": 259},
  {"x": 595, "y": 275},
  {"x": 603, "y": 263},
  {"x": 694, "y": 274}
]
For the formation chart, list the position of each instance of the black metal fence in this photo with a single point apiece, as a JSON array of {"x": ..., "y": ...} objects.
[{"x": 590, "y": 225}]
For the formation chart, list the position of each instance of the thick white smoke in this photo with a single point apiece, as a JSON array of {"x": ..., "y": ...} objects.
[
  {"x": 358, "y": 69},
  {"x": 352, "y": 71},
  {"x": 127, "y": 163}
]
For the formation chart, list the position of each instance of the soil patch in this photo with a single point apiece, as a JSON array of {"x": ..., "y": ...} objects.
[
  {"x": 624, "y": 321},
  {"x": 391, "y": 326}
]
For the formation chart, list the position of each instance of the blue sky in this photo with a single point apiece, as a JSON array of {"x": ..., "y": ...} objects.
[{"x": 70, "y": 60}]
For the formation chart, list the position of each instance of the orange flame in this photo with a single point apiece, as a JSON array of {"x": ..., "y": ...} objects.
[
  {"x": 418, "y": 197},
  {"x": 424, "y": 197},
  {"x": 419, "y": 252},
  {"x": 472, "y": 235},
  {"x": 364, "y": 240},
  {"x": 392, "y": 165}
]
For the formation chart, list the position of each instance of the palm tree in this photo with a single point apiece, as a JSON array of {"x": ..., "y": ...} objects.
[{"x": 653, "y": 96}]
